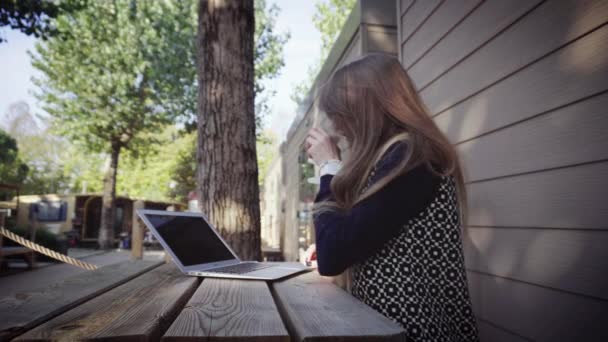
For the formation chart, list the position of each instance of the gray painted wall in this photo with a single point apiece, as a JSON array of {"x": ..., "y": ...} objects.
[{"x": 521, "y": 88}]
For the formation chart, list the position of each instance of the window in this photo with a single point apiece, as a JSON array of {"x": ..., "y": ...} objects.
[{"x": 49, "y": 211}]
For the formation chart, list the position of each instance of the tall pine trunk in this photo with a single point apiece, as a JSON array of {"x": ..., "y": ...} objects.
[
  {"x": 226, "y": 154},
  {"x": 108, "y": 207}
]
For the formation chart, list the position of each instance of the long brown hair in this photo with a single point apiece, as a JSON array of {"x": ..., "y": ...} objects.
[{"x": 373, "y": 103}]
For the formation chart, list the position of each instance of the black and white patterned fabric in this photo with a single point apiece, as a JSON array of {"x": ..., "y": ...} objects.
[{"x": 418, "y": 278}]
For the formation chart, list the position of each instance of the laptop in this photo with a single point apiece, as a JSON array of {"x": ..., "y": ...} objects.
[{"x": 198, "y": 249}]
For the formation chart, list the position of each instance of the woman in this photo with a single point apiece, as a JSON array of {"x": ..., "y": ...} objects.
[{"x": 391, "y": 212}]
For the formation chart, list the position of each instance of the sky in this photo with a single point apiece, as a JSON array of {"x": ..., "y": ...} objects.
[
  {"x": 16, "y": 71},
  {"x": 300, "y": 52}
]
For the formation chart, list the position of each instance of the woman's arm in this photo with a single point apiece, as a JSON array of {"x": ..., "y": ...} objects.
[{"x": 345, "y": 239}]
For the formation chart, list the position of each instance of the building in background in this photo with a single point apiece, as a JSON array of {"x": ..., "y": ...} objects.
[
  {"x": 78, "y": 214},
  {"x": 521, "y": 88},
  {"x": 272, "y": 206},
  {"x": 371, "y": 27}
]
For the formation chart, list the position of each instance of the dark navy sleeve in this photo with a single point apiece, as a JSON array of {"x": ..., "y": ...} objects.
[{"x": 343, "y": 239}]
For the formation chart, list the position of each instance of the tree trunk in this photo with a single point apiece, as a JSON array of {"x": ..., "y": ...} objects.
[
  {"x": 106, "y": 229},
  {"x": 226, "y": 155}
]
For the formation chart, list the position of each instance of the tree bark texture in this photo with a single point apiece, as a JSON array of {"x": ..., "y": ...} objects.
[
  {"x": 108, "y": 207},
  {"x": 227, "y": 167}
]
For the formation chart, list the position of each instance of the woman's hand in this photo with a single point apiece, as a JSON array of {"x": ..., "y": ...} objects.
[{"x": 320, "y": 146}]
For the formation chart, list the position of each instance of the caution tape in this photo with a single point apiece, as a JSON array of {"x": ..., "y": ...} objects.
[{"x": 43, "y": 250}]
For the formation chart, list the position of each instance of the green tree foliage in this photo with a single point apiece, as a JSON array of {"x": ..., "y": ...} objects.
[
  {"x": 105, "y": 81},
  {"x": 34, "y": 17},
  {"x": 183, "y": 171},
  {"x": 183, "y": 165},
  {"x": 157, "y": 176},
  {"x": 267, "y": 56},
  {"x": 178, "y": 31},
  {"x": 42, "y": 151},
  {"x": 266, "y": 151},
  {"x": 93, "y": 79},
  {"x": 329, "y": 18},
  {"x": 172, "y": 169},
  {"x": 55, "y": 165},
  {"x": 110, "y": 79},
  {"x": 12, "y": 169}
]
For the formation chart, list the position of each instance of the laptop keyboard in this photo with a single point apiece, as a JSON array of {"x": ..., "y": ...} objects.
[{"x": 240, "y": 268}]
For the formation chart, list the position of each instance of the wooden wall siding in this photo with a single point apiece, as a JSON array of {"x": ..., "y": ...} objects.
[
  {"x": 542, "y": 256},
  {"x": 536, "y": 312},
  {"x": 415, "y": 16},
  {"x": 567, "y": 198},
  {"x": 488, "y": 332},
  {"x": 437, "y": 25},
  {"x": 404, "y": 5},
  {"x": 543, "y": 142},
  {"x": 521, "y": 88},
  {"x": 548, "y": 27},
  {"x": 577, "y": 71},
  {"x": 481, "y": 25}
]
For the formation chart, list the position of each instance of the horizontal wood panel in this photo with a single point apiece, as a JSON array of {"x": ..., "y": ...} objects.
[
  {"x": 538, "y": 313},
  {"x": 570, "y": 135},
  {"x": 490, "y": 333},
  {"x": 125, "y": 313},
  {"x": 415, "y": 16},
  {"x": 22, "y": 311},
  {"x": 404, "y": 5},
  {"x": 549, "y": 26},
  {"x": 315, "y": 309},
  {"x": 438, "y": 24},
  {"x": 480, "y": 26},
  {"x": 229, "y": 309},
  {"x": 572, "y": 73},
  {"x": 570, "y": 260},
  {"x": 573, "y": 197},
  {"x": 45, "y": 276}
]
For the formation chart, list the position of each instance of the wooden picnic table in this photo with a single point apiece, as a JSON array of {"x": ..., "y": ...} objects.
[{"x": 153, "y": 300}]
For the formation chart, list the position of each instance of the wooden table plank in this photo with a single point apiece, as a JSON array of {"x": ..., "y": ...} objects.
[
  {"x": 229, "y": 310},
  {"x": 22, "y": 311},
  {"x": 314, "y": 309},
  {"x": 42, "y": 277},
  {"x": 142, "y": 309}
]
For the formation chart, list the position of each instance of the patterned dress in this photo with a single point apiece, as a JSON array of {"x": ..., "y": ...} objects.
[{"x": 418, "y": 278}]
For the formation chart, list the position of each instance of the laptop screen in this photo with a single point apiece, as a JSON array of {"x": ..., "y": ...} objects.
[{"x": 191, "y": 239}]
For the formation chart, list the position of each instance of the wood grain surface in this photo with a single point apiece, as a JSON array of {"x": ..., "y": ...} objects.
[
  {"x": 229, "y": 310},
  {"x": 22, "y": 311},
  {"x": 140, "y": 310},
  {"x": 314, "y": 309}
]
